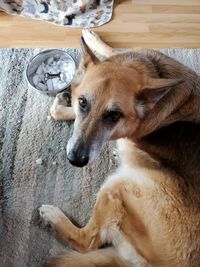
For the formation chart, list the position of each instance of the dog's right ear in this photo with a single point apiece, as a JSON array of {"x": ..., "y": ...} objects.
[
  {"x": 87, "y": 58},
  {"x": 152, "y": 92}
]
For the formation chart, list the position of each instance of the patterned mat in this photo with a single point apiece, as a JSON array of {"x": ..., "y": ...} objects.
[{"x": 70, "y": 13}]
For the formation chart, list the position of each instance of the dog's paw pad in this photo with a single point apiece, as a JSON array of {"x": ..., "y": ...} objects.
[{"x": 51, "y": 214}]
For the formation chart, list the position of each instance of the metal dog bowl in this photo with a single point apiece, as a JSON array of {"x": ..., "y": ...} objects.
[{"x": 45, "y": 71}]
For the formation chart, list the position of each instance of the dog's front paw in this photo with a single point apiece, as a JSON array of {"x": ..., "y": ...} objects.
[
  {"x": 58, "y": 109},
  {"x": 51, "y": 214},
  {"x": 64, "y": 98}
]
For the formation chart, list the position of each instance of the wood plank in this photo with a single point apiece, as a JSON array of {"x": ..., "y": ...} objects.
[
  {"x": 175, "y": 9},
  {"x": 166, "y": 2},
  {"x": 178, "y": 27},
  {"x": 161, "y": 18}
]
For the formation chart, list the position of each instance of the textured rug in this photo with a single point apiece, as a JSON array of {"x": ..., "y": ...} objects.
[
  {"x": 27, "y": 133},
  {"x": 71, "y": 13}
]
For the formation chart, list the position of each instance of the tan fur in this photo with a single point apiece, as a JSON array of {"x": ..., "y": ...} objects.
[
  {"x": 60, "y": 111},
  {"x": 149, "y": 209},
  {"x": 101, "y": 258}
]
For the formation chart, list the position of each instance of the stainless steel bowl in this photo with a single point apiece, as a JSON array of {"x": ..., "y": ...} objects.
[{"x": 41, "y": 57}]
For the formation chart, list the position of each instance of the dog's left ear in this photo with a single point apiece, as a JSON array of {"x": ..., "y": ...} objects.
[
  {"x": 87, "y": 58},
  {"x": 152, "y": 92}
]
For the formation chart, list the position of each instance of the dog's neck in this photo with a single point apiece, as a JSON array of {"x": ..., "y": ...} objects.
[
  {"x": 170, "y": 132},
  {"x": 176, "y": 147},
  {"x": 175, "y": 141}
]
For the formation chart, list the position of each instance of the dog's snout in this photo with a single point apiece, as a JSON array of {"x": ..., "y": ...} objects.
[{"x": 78, "y": 157}]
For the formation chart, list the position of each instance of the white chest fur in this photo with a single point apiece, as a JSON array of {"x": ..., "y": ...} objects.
[
  {"x": 124, "y": 249},
  {"x": 128, "y": 174},
  {"x": 125, "y": 174}
]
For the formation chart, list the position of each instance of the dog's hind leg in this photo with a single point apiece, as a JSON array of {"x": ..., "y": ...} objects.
[
  {"x": 60, "y": 109},
  {"x": 95, "y": 43}
]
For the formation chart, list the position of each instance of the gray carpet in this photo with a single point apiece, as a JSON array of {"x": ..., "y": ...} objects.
[{"x": 26, "y": 134}]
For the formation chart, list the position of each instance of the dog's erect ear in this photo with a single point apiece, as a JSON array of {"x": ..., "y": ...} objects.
[
  {"x": 87, "y": 58},
  {"x": 152, "y": 92}
]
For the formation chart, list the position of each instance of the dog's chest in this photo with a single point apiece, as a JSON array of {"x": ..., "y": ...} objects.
[{"x": 129, "y": 175}]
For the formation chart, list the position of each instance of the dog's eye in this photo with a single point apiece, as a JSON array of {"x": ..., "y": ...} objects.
[
  {"x": 83, "y": 102},
  {"x": 112, "y": 116}
]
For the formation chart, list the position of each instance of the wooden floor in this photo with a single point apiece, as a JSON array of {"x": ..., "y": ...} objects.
[{"x": 144, "y": 23}]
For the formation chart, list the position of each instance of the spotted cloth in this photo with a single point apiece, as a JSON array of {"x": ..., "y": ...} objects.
[{"x": 70, "y": 13}]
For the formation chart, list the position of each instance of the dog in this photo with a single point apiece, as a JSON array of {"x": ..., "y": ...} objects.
[{"x": 149, "y": 208}]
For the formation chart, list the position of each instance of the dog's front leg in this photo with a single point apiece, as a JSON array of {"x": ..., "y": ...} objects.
[
  {"x": 60, "y": 109},
  {"x": 108, "y": 212},
  {"x": 82, "y": 239}
]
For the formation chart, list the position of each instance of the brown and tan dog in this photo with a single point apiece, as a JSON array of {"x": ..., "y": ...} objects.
[{"x": 149, "y": 209}]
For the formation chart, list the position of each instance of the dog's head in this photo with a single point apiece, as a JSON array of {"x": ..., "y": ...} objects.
[{"x": 110, "y": 101}]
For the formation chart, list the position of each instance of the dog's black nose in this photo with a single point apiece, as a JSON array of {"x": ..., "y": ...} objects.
[{"x": 77, "y": 159}]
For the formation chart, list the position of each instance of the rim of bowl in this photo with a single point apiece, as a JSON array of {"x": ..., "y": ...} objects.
[{"x": 44, "y": 52}]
